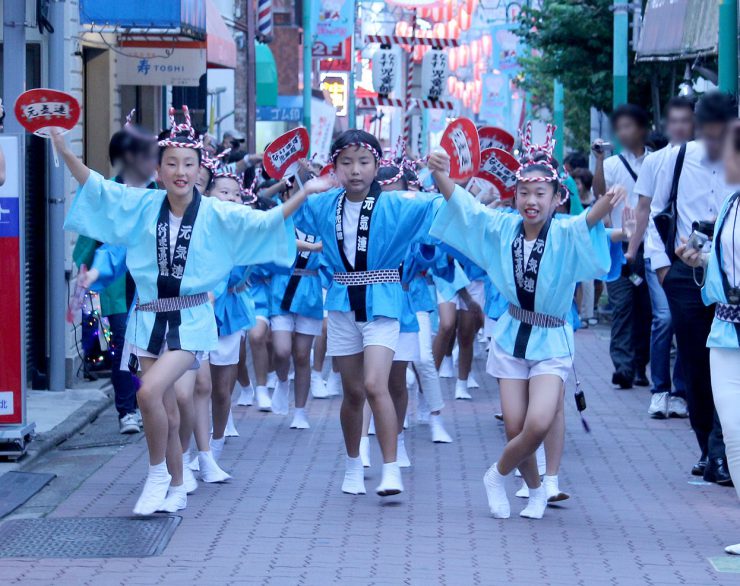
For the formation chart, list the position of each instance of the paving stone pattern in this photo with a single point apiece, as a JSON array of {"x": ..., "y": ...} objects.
[{"x": 634, "y": 517}]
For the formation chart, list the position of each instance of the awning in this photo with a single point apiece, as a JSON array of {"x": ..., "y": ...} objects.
[
  {"x": 220, "y": 45},
  {"x": 679, "y": 29},
  {"x": 266, "y": 75}
]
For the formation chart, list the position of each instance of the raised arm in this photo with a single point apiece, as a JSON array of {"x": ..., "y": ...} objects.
[
  {"x": 604, "y": 205},
  {"x": 315, "y": 185},
  {"x": 78, "y": 169}
]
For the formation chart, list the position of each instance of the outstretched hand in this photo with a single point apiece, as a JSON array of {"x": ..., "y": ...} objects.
[
  {"x": 321, "y": 184},
  {"x": 439, "y": 165},
  {"x": 629, "y": 223}
]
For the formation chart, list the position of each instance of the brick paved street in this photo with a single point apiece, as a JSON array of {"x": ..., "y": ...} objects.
[{"x": 634, "y": 517}]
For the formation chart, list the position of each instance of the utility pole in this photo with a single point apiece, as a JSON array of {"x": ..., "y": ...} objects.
[
  {"x": 728, "y": 46},
  {"x": 57, "y": 281},
  {"x": 559, "y": 119},
  {"x": 352, "y": 103},
  {"x": 307, "y": 63},
  {"x": 621, "y": 27},
  {"x": 245, "y": 83},
  {"x": 14, "y": 60}
]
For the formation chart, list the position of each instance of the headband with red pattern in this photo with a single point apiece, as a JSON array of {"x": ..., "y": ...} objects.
[
  {"x": 360, "y": 144},
  {"x": 531, "y": 151},
  {"x": 177, "y": 130},
  {"x": 134, "y": 130}
]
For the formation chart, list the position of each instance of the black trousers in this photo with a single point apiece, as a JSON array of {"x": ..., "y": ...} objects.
[
  {"x": 631, "y": 322},
  {"x": 692, "y": 321}
]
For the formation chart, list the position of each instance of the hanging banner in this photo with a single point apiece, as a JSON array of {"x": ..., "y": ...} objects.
[
  {"x": 434, "y": 73},
  {"x": 386, "y": 69},
  {"x": 494, "y": 137},
  {"x": 336, "y": 85},
  {"x": 460, "y": 142},
  {"x": 40, "y": 110},
  {"x": 323, "y": 116},
  {"x": 494, "y": 101},
  {"x": 161, "y": 66},
  {"x": 332, "y": 21},
  {"x": 499, "y": 168},
  {"x": 284, "y": 153}
]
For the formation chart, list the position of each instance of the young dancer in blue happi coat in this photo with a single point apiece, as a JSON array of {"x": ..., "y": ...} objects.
[{"x": 534, "y": 261}]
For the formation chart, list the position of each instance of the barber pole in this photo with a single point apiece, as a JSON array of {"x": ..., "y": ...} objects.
[
  {"x": 409, "y": 83},
  {"x": 264, "y": 20}
]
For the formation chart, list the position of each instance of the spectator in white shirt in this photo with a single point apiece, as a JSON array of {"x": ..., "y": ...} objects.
[
  {"x": 701, "y": 191},
  {"x": 667, "y": 400},
  {"x": 631, "y": 315}
]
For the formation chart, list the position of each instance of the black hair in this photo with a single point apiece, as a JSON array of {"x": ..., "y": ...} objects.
[
  {"x": 263, "y": 204},
  {"x": 235, "y": 156},
  {"x": 716, "y": 107},
  {"x": 656, "y": 140},
  {"x": 679, "y": 103},
  {"x": 350, "y": 137},
  {"x": 638, "y": 115},
  {"x": 584, "y": 176},
  {"x": 126, "y": 142},
  {"x": 539, "y": 165},
  {"x": 386, "y": 173},
  {"x": 411, "y": 176},
  {"x": 576, "y": 160},
  {"x": 249, "y": 174},
  {"x": 181, "y": 139}
]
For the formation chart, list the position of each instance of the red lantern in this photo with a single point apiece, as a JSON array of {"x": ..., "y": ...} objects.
[
  {"x": 487, "y": 45},
  {"x": 475, "y": 49},
  {"x": 470, "y": 6},
  {"x": 452, "y": 60},
  {"x": 451, "y": 85},
  {"x": 449, "y": 10},
  {"x": 453, "y": 29},
  {"x": 439, "y": 30},
  {"x": 464, "y": 55},
  {"x": 459, "y": 88},
  {"x": 465, "y": 19},
  {"x": 437, "y": 14}
]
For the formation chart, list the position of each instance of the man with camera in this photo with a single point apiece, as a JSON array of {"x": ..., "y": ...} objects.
[
  {"x": 689, "y": 192},
  {"x": 630, "y": 336},
  {"x": 667, "y": 400}
]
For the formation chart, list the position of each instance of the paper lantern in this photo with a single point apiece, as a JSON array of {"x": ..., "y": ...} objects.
[
  {"x": 487, "y": 45},
  {"x": 475, "y": 49},
  {"x": 470, "y": 6},
  {"x": 452, "y": 60},
  {"x": 459, "y": 88},
  {"x": 437, "y": 14},
  {"x": 453, "y": 29},
  {"x": 439, "y": 30},
  {"x": 465, "y": 19},
  {"x": 464, "y": 55},
  {"x": 451, "y": 85},
  {"x": 449, "y": 10}
]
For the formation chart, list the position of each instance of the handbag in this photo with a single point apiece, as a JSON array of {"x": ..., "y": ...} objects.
[{"x": 666, "y": 221}]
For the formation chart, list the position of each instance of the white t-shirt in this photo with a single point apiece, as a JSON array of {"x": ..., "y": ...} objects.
[
  {"x": 528, "y": 248},
  {"x": 350, "y": 219},
  {"x": 174, "y": 229},
  {"x": 648, "y": 177},
  {"x": 726, "y": 243},
  {"x": 615, "y": 173}
]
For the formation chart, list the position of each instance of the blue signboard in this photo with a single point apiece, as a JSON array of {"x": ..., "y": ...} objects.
[
  {"x": 189, "y": 16},
  {"x": 288, "y": 109},
  {"x": 9, "y": 217}
]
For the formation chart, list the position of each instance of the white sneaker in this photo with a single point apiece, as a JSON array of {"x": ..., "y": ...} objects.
[
  {"x": 439, "y": 433},
  {"x": 281, "y": 398},
  {"x": 472, "y": 383},
  {"x": 210, "y": 471},
  {"x": 365, "y": 451},
  {"x": 391, "y": 482},
  {"x": 188, "y": 478},
  {"x": 406, "y": 421},
  {"x": 300, "y": 421},
  {"x": 371, "y": 429},
  {"x": 154, "y": 491},
  {"x": 677, "y": 407},
  {"x": 139, "y": 420},
  {"x": 658, "y": 406},
  {"x": 129, "y": 423},
  {"x": 272, "y": 380},
  {"x": 264, "y": 403},
  {"x": 230, "y": 430},
  {"x": 193, "y": 460},
  {"x": 354, "y": 477},
  {"x": 402, "y": 456},
  {"x": 536, "y": 505},
  {"x": 447, "y": 368},
  {"x": 334, "y": 384},
  {"x": 246, "y": 396},
  {"x": 733, "y": 549},
  {"x": 552, "y": 490},
  {"x": 523, "y": 492},
  {"x": 176, "y": 500},
  {"x": 318, "y": 386},
  {"x": 217, "y": 447},
  {"x": 461, "y": 391}
]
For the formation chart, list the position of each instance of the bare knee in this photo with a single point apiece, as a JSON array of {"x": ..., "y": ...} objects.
[
  {"x": 302, "y": 359},
  {"x": 375, "y": 387}
]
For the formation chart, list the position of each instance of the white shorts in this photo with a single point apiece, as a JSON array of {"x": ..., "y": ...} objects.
[
  {"x": 488, "y": 327},
  {"x": 227, "y": 352},
  {"x": 503, "y": 365},
  {"x": 407, "y": 349},
  {"x": 129, "y": 348},
  {"x": 292, "y": 322},
  {"x": 346, "y": 336},
  {"x": 476, "y": 290},
  {"x": 263, "y": 318}
]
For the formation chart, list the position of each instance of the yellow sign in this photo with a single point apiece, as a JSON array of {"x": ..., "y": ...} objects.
[{"x": 336, "y": 84}]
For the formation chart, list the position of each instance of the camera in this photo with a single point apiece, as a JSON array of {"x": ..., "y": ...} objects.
[
  {"x": 701, "y": 236},
  {"x": 601, "y": 147}
]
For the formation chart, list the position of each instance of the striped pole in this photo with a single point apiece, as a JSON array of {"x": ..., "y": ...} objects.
[
  {"x": 264, "y": 20},
  {"x": 409, "y": 81},
  {"x": 396, "y": 40}
]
